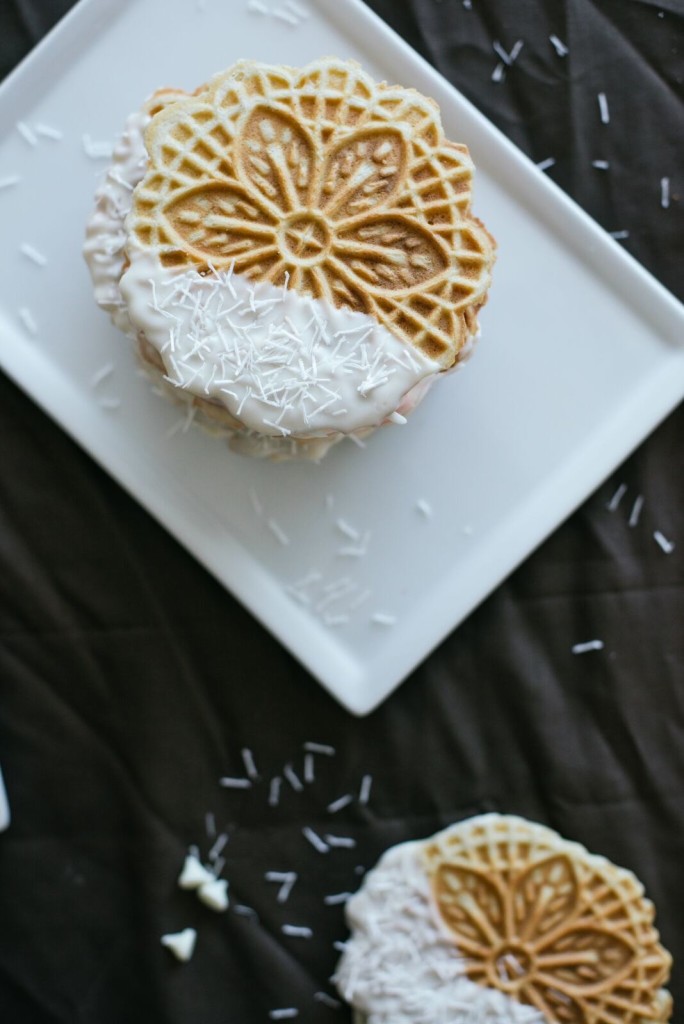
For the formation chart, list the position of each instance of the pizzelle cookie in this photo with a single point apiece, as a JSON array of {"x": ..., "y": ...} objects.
[
  {"x": 497, "y": 919},
  {"x": 299, "y": 258}
]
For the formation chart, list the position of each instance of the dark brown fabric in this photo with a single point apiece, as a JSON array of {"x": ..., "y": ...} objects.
[{"x": 130, "y": 681}]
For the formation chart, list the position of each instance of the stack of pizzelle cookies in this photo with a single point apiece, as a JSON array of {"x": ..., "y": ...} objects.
[{"x": 332, "y": 204}]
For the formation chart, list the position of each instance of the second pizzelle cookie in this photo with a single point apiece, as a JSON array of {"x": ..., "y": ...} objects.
[{"x": 300, "y": 257}]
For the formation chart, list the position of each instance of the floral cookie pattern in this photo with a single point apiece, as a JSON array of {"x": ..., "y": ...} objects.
[
  {"x": 548, "y": 924},
  {"x": 323, "y": 181}
]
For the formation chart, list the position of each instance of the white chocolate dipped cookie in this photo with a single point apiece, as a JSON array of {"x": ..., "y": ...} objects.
[
  {"x": 498, "y": 920},
  {"x": 293, "y": 251}
]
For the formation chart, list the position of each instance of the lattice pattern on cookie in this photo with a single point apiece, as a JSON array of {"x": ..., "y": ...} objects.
[
  {"x": 548, "y": 923},
  {"x": 321, "y": 179}
]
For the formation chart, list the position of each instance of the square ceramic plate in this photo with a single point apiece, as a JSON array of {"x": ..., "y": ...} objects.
[{"x": 561, "y": 389}]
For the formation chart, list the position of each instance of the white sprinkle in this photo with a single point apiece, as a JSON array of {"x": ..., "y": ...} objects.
[
  {"x": 636, "y": 510},
  {"x": 181, "y": 944},
  {"x": 309, "y": 772},
  {"x": 342, "y": 801},
  {"x": 342, "y": 841},
  {"x": 340, "y": 946},
  {"x": 515, "y": 52},
  {"x": 468, "y": 4},
  {"x": 338, "y": 897},
  {"x": 214, "y": 894},
  {"x": 619, "y": 235},
  {"x": 297, "y": 9},
  {"x": 278, "y": 532},
  {"x": 26, "y": 317},
  {"x": 218, "y": 846},
  {"x": 424, "y": 507},
  {"x": 31, "y": 253},
  {"x": 293, "y": 778},
  {"x": 320, "y": 748},
  {"x": 559, "y": 46},
  {"x": 601, "y": 165},
  {"x": 349, "y": 531},
  {"x": 274, "y": 791},
  {"x": 590, "y": 645},
  {"x": 323, "y": 997},
  {"x": 229, "y": 783},
  {"x": 297, "y": 931},
  {"x": 243, "y": 911},
  {"x": 12, "y": 179},
  {"x": 664, "y": 193},
  {"x": 218, "y": 866},
  {"x": 364, "y": 791},
  {"x": 97, "y": 150},
  {"x": 109, "y": 403},
  {"x": 256, "y": 5},
  {"x": 48, "y": 132},
  {"x": 248, "y": 761},
  {"x": 544, "y": 165},
  {"x": 499, "y": 72},
  {"x": 357, "y": 440},
  {"x": 397, "y": 418},
  {"x": 383, "y": 619},
  {"x": 617, "y": 498},
  {"x": 27, "y": 133},
  {"x": 286, "y": 879},
  {"x": 662, "y": 542},
  {"x": 603, "y": 108},
  {"x": 507, "y": 58},
  {"x": 104, "y": 372},
  {"x": 315, "y": 840},
  {"x": 210, "y": 824},
  {"x": 194, "y": 873},
  {"x": 256, "y": 504},
  {"x": 285, "y": 1014}
]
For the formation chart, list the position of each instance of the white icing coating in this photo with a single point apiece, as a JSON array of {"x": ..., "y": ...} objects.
[
  {"x": 283, "y": 364},
  {"x": 400, "y": 968}
]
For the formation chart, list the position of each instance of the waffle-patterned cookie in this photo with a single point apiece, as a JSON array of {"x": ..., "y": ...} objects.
[
  {"x": 322, "y": 180},
  {"x": 498, "y": 919}
]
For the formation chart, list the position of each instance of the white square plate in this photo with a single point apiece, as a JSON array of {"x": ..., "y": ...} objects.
[{"x": 581, "y": 357}]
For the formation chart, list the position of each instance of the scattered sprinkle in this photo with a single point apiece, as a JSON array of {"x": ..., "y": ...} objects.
[
  {"x": 230, "y": 783},
  {"x": 48, "y": 132},
  {"x": 297, "y": 9},
  {"x": 468, "y": 4},
  {"x": 338, "y": 897},
  {"x": 32, "y": 253},
  {"x": 181, "y": 944},
  {"x": 342, "y": 801},
  {"x": 499, "y": 72},
  {"x": 323, "y": 997},
  {"x": 284, "y": 15},
  {"x": 297, "y": 931},
  {"x": 27, "y": 133},
  {"x": 320, "y": 748},
  {"x": 257, "y": 7},
  {"x": 218, "y": 846},
  {"x": 668, "y": 546},
  {"x": 315, "y": 840},
  {"x": 345, "y": 842},
  {"x": 278, "y": 532},
  {"x": 383, "y": 619},
  {"x": 248, "y": 761},
  {"x": 636, "y": 510},
  {"x": 424, "y": 507},
  {"x": 309, "y": 768},
  {"x": 349, "y": 531},
  {"x": 293, "y": 778},
  {"x": 590, "y": 645},
  {"x": 601, "y": 165},
  {"x": 507, "y": 58},
  {"x": 8, "y": 182},
  {"x": 102, "y": 374},
  {"x": 214, "y": 894},
  {"x": 274, "y": 791},
  {"x": 617, "y": 498},
  {"x": 603, "y": 108},
  {"x": 286, "y": 879},
  {"x": 664, "y": 193},
  {"x": 397, "y": 418},
  {"x": 544, "y": 165},
  {"x": 194, "y": 873},
  {"x": 285, "y": 1014},
  {"x": 243, "y": 911},
  {"x": 559, "y": 46},
  {"x": 365, "y": 789},
  {"x": 340, "y": 946},
  {"x": 27, "y": 319},
  {"x": 619, "y": 235},
  {"x": 97, "y": 150}
]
